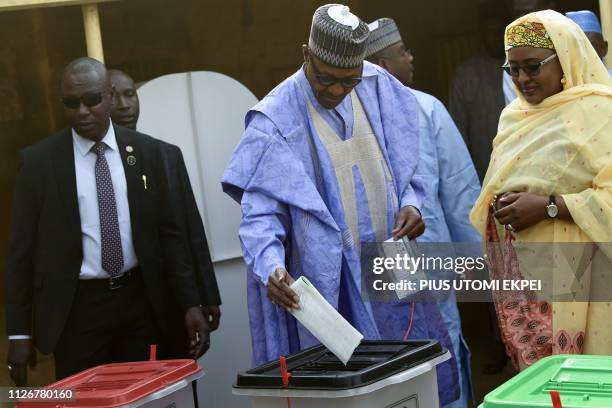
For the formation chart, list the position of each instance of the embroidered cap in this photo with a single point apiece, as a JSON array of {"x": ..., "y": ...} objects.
[
  {"x": 338, "y": 37},
  {"x": 383, "y": 33},
  {"x": 528, "y": 34}
]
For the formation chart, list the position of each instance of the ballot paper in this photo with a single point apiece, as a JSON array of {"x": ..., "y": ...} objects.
[
  {"x": 403, "y": 247},
  {"x": 324, "y": 322}
]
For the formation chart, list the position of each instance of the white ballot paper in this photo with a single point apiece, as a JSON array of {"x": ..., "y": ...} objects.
[{"x": 324, "y": 322}]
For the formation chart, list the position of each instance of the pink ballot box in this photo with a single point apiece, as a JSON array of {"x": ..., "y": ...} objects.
[{"x": 151, "y": 384}]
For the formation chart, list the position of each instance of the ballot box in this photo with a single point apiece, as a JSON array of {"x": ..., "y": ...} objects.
[
  {"x": 390, "y": 374},
  {"x": 581, "y": 381},
  {"x": 150, "y": 384}
]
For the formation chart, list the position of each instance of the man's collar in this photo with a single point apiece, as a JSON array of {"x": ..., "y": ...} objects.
[
  {"x": 369, "y": 69},
  {"x": 303, "y": 81},
  {"x": 84, "y": 145}
]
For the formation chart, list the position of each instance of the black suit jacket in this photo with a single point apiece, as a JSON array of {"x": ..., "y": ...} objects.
[
  {"x": 45, "y": 253},
  {"x": 184, "y": 204}
]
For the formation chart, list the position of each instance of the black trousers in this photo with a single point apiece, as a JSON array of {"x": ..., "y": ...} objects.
[{"x": 106, "y": 326}]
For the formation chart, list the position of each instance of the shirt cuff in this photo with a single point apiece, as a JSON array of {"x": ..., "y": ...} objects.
[
  {"x": 269, "y": 270},
  {"x": 410, "y": 198},
  {"x": 19, "y": 337}
]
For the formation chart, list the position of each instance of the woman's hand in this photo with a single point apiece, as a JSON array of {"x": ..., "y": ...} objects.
[
  {"x": 518, "y": 211},
  {"x": 498, "y": 204}
]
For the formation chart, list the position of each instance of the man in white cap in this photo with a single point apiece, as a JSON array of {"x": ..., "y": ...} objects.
[
  {"x": 589, "y": 23},
  {"x": 327, "y": 162},
  {"x": 451, "y": 188}
]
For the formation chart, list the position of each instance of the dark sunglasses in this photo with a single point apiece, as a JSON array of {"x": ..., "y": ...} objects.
[
  {"x": 89, "y": 100},
  {"x": 328, "y": 80},
  {"x": 531, "y": 70}
]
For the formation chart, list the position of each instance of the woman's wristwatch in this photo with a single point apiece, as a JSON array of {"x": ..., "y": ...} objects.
[{"x": 551, "y": 209}]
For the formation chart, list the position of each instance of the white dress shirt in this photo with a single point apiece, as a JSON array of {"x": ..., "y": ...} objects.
[{"x": 84, "y": 165}]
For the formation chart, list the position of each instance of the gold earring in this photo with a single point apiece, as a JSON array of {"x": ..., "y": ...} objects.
[{"x": 563, "y": 81}]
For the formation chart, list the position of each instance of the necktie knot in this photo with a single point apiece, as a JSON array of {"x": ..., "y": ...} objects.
[{"x": 99, "y": 148}]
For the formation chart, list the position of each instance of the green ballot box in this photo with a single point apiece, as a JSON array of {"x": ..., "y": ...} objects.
[{"x": 582, "y": 382}]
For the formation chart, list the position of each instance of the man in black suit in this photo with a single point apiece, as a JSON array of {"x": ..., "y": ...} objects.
[
  {"x": 94, "y": 242},
  {"x": 125, "y": 112}
]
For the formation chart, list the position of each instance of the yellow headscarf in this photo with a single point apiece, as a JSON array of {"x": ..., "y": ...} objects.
[{"x": 562, "y": 145}]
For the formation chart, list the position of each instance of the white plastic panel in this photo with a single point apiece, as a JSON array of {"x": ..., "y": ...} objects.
[{"x": 202, "y": 113}]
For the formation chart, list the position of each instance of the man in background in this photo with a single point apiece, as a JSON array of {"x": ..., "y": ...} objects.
[
  {"x": 589, "y": 23},
  {"x": 479, "y": 91},
  {"x": 451, "y": 183},
  {"x": 125, "y": 112}
]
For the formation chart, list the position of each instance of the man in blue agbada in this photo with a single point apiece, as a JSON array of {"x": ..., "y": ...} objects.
[
  {"x": 327, "y": 161},
  {"x": 451, "y": 187},
  {"x": 589, "y": 23}
]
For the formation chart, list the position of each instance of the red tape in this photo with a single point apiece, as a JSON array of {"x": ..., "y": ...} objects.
[
  {"x": 411, "y": 321},
  {"x": 556, "y": 399},
  {"x": 285, "y": 375},
  {"x": 153, "y": 352}
]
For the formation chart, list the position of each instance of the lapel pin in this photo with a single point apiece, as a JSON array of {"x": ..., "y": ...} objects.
[
  {"x": 131, "y": 160},
  {"x": 129, "y": 149}
]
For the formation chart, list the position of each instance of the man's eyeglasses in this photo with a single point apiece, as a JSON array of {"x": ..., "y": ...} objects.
[
  {"x": 531, "y": 70},
  {"x": 328, "y": 80},
  {"x": 89, "y": 100}
]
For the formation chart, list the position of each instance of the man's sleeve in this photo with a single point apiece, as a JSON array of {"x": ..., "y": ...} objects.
[
  {"x": 414, "y": 195},
  {"x": 196, "y": 237},
  {"x": 251, "y": 179},
  {"x": 19, "y": 274},
  {"x": 263, "y": 231},
  {"x": 459, "y": 185},
  {"x": 172, "y": 240}
]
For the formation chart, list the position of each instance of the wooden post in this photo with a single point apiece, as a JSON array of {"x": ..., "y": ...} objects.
[
  {"x": 43, "y": 65},
  {"x": 91, "y": 19},
  {"x": 605, "y": 11},
  {"x": 93, "y": 34}
]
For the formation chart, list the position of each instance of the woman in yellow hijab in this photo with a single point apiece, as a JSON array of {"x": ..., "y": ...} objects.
[{"x": 548, "y": 192}]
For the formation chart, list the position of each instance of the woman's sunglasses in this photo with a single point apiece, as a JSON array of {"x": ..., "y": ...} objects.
[
  {"x": 89, "y": 100},
  {"x": 531, "y": 70}
]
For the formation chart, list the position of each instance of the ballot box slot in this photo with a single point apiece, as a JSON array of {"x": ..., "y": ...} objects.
[{"x": 318, "y": 368}]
